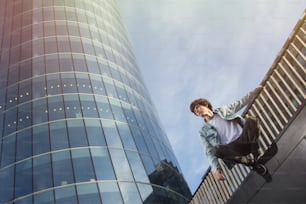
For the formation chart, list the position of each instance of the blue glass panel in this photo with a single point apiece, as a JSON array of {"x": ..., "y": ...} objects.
[
  {"x": 148, "y": 164},
  {"x": 110, "y": 88},
  {"x": 83, "y": 83},
  {"x": 56, "y": 108},
  {"x": 52, "y": 64},
  {"x": 66, "y": 195},
  {"x": 97, "y": 85},
  {"x": 23, "y": 181},
  {"x": 58, "y": 135},
  {"x": 41, "y": 142},
  {"x": 140, "y": 142},
  {"x": 103, "y": 107},
  {"x": 130, "y": 193},
  {"x": 72, "y": 106},
  {"x": 53, "y": 84},
  {"x": 82, "y": 165},
  {"x": 8, "y": 150},
  {"x": 92, "y": 64},
  {"x": 66, "y": 64},
  {"x": 24, "y": 116},
  {"x": 110, "y": 193},
  {"x": 137, "y": 167},
  {"x": 69, "y": 83},
  {"x": 7, "y": 178},
  {"x": 78, "y": 60},
  {"x": 50, "y": 45},
  {"x": 111, "y": 134},
  {"x": 10, "y": 121},
  {"x": 77, "y": 135},
  {"x": 62, "y": 168},
  {"x": 94, "y": 133},
  {"x": 38, "y": 87},
  {"x": 63, "y": 42},
  {"x": 42, "y": 175},
  {"x": 44, "y": 198},
  {"x": 88, "y": 193},
  {"x": 25, "y": 90},
  {"x": 40, "y": 111},
  {"x": 128, "y": 111},
  {"x": 126, "y": 136},
  {"x": 102, "y": 164},
  {"x": 26, "y": 200},
  {"x": 146, "y": 192},
  {"x": 26, "y": 66},
  {"x": 24, "y": 144},
  {"x": 117, "y": 110},
  {"x": 88, "y": 106},
  {"x": 121, "y": 165}
]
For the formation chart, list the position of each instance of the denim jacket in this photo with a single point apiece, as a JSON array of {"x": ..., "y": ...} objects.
[{"x": 209, "y": 135}]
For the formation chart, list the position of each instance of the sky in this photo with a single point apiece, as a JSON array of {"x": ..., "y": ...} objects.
[{"x": 214, "y": 49}]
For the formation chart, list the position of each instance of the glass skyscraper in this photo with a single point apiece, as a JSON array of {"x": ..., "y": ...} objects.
[{"x": 77, "y": 124}]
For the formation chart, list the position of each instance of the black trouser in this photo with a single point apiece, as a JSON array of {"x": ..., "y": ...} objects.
[{"x": 244, "y": 145}]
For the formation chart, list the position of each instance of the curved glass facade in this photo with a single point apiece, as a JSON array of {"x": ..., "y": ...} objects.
[{"x": 77, "y": 124}]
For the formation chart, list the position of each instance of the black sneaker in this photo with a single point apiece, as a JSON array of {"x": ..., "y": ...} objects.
[{"x": 260, "y": 169}]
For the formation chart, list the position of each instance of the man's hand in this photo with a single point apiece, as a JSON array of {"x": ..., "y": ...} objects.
[{"x": 219, "y": 175}]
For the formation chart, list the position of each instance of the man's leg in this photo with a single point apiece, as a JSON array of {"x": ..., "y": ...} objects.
[{"x": 245, "y": 144}]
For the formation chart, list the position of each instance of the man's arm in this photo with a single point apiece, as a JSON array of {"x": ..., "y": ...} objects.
[
  {"x": 208, "y": 146},
  {"x": 239, "y": 104}
]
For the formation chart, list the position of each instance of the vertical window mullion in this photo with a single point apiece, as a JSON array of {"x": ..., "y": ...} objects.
[
  {"x": 267, "y": 116},
  {"x": 279, "y": 99},
  {"x": 288, "y": 87},
  {"x": 284, "y": 95},
  {"x": 271, "y": 110},
  {"x": 294, "y": 71},
  {"x": 275, "y": 105},
  {"x": 263, "y": 135},
  {"x": 263, "y": 121},
  {"x": 292, "y": 80}
]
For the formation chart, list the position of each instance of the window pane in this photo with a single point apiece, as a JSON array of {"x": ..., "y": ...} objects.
[
  {"x": 44, "y": 198},
  {"x": 88, "y": 106},
  {"x": 145, "y": 192},
  {"x": 77, "y": 135},
  {"x": 126, "y": 136},
  {"x": 56, "y": 108},
  {"x": 82, "y": 166},
  {"x": 24, "y": 144},
  {"x": 42, "y": 173},
  {"x": 111, "y": 134},
  {"x": 23, "y": 183},
  {"x": 69, "y": 83},
  {"x": 66, "y": 195},
  {"x": 95, "y": 133},
  {"x": 41, "y": 139},
  {"x": 102, "y": 163},
  {"x": 88, "y": 193},
  {"x": 121, "y": 165},
  {"x": 8, "y": 151},
  {"x": 103, "y": 107},
  {"x": 110, "y": 193},
  {"x": 137, "y": 167},
  {"x": 130, "y": 193},
  {"x": 72, "y": 106},
  {"x": 58, "y": 135},
  {"x": 62, "y": 168},
  {"x": 7, "y": 178},
  {"x": 40, "y": 112}
]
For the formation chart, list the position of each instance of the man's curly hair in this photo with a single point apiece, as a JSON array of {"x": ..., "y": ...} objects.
[{"x": 200, "y": 101}]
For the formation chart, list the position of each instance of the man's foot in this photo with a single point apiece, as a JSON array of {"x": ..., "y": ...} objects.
[{"x": 263, "y": 171}]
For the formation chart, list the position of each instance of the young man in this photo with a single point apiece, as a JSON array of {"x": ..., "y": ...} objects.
[{"x": 228, "y": 136}]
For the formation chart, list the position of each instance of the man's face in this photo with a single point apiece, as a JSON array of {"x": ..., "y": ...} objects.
[{"x": 202, "y": 111}]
